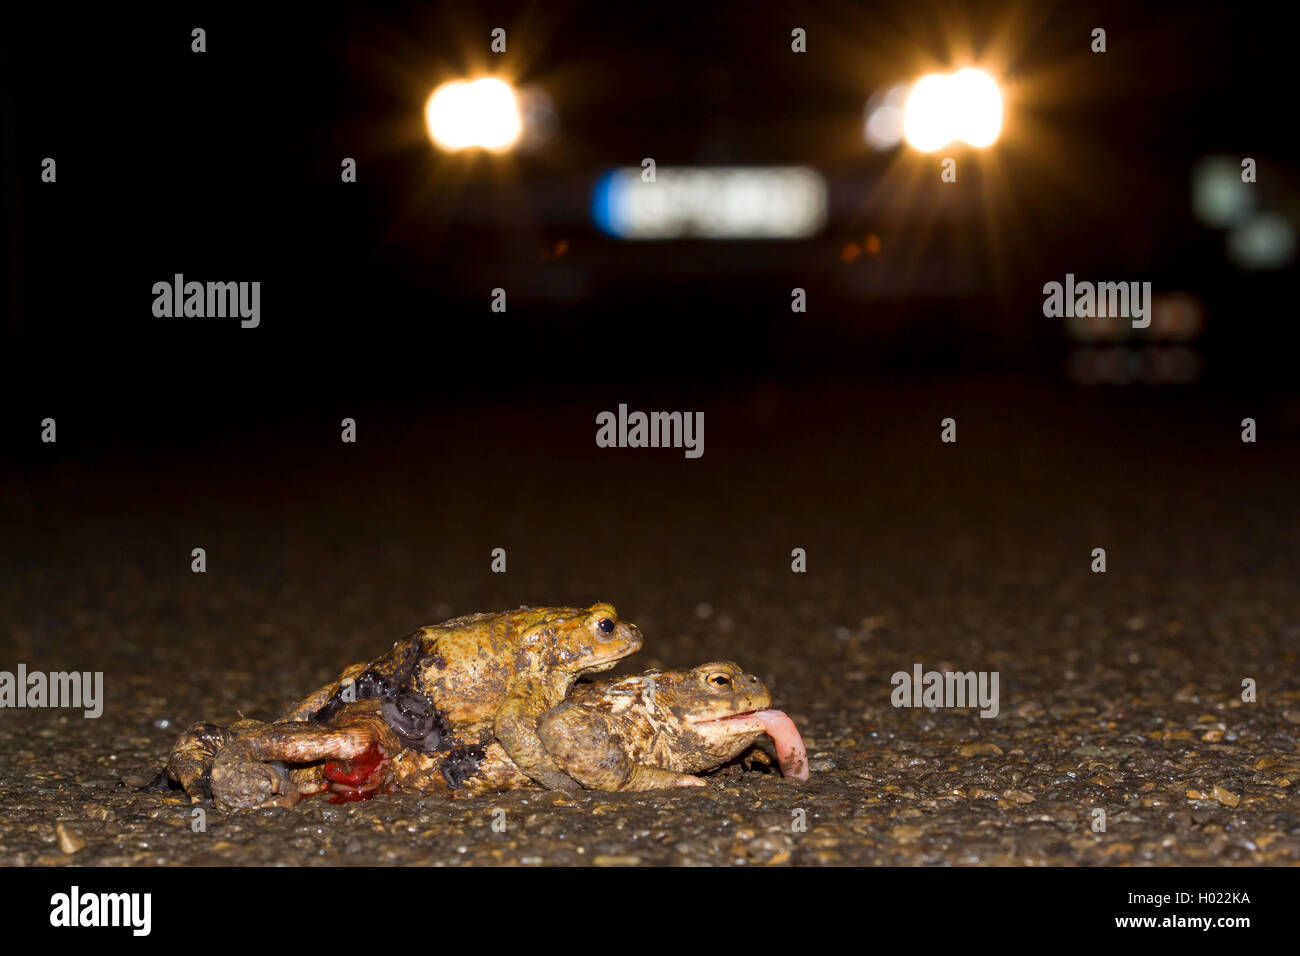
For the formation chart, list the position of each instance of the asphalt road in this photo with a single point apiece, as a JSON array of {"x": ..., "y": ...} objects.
[{"x": 1119, "y": 691}]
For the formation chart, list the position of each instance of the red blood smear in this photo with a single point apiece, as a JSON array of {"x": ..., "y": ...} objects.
[
  {"x": 359, "y": 778},
  {"x": 351, "y": 795}
]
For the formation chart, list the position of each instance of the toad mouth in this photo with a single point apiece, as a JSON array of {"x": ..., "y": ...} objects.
[
  {"x": 736, "y": 716},
  {"x": 790, "y": 751}
]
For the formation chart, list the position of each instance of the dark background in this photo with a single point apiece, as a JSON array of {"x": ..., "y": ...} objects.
[{"x": 225, "y": 165}]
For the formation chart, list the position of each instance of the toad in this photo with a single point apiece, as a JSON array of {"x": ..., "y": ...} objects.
[
  {"x": 450, "y": 690},
  {"x": 660, "y": 728},
  {"x": 649, "y": 731},
  {"x": 653, "y": 730}
]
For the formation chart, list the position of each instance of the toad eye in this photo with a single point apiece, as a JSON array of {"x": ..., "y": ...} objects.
[
  {"x": 719, "y": 680},
  {"x": 606, "y": 625}
]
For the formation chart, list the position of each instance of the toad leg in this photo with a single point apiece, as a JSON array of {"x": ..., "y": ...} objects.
[
  {"x": 653, "y": 778},
  {"x": 249, "y": 772},
  {"x": 590, "y": 749},
  {"x": 516, "y": 731},
  {"x": 190, "y": 761}
]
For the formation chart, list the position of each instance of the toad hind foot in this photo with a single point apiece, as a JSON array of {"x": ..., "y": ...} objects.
[
  {"x": 248, "y": 772},
  {"x": 190, "y": 760},
  {"x": 652, "y": 778}
]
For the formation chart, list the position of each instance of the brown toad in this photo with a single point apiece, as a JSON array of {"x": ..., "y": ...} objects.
[
  {"x": 652, "y": 730},
  {"x": 450, "y": 689},
  {"x": 659, "y": 728},
  {"x": 644, "y": 732}
]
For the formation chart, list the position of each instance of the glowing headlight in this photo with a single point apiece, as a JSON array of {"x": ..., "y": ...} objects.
[
  {"x": 481, "y": 113},
  {"x": 966, "y": 105},
  {"x": 976, "y": 107}
]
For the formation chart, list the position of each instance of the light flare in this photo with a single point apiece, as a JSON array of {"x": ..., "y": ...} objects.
[
  {"x": 941, "y": 108},
  {"x": 467, "y": 114}
]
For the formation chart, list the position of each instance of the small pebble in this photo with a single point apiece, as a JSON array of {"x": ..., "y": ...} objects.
[
  {"x": 70, "y": 841},
  {"x": 1225, "y": 797}
]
